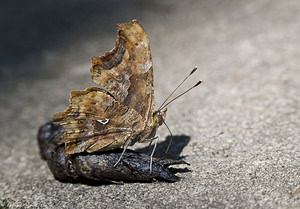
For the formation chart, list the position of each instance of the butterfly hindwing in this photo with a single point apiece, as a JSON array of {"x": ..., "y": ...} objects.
[{"x": 96, "y": 121}]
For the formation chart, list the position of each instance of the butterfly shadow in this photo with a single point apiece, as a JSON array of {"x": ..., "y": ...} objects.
[{"x": 178, "y": 143}]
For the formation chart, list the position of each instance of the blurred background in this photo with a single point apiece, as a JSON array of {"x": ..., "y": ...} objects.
[
  {"x": 47, "y": 46},
  {"x": 243, "y": 121}
]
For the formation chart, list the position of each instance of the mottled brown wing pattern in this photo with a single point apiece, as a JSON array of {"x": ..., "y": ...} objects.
[
  {"x": 122, "y": 111},
  {"x": 127, "y": 71},
  {"x": 96, "y": 121}
]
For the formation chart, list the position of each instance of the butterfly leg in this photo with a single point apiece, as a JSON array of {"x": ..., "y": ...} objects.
[
  {"x": 127, "y": 143},
  {"x": 169, "y": 145},
  {"x": 149, "y": 145},
  {"x": 151, "y": 156}
]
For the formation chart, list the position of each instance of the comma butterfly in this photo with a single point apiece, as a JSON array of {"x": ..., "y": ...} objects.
[{"x": 121, "y": 112}]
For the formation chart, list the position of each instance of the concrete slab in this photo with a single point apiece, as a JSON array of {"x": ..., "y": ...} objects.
[{"x": 243, "y": 122}]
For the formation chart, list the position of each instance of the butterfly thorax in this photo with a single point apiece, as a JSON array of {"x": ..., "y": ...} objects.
[{"x": 150, "y": 130}]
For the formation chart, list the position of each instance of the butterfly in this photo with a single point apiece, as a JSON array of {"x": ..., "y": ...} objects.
[{"x": 120, "y": 112}]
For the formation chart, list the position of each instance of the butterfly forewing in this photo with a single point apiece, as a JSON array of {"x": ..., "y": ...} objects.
[{"x": 127, "y": 71}]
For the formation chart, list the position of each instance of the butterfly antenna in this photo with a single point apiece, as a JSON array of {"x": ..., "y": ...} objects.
[
  {"x": 169, "y": 145},
  {"x": 198, "y": 83},
  {"x": 194, "y": 70}
]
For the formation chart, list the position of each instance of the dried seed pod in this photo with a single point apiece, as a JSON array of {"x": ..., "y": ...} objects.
[{"x": 99, "y": 166}]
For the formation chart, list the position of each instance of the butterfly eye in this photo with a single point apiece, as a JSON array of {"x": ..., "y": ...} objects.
[
  {"x": 82, "y": 131},
  {"x": 80, "y": 122}
]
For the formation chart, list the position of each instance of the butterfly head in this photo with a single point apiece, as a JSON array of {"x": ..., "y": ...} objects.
[{"x": 159, "y": 116}]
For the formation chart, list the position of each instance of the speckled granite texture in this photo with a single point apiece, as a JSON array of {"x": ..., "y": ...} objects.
[{"x": 243, "y": 122}]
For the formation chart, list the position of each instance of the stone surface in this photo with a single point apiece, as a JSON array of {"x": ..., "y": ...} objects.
[{"x": 243, "y": 121}]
